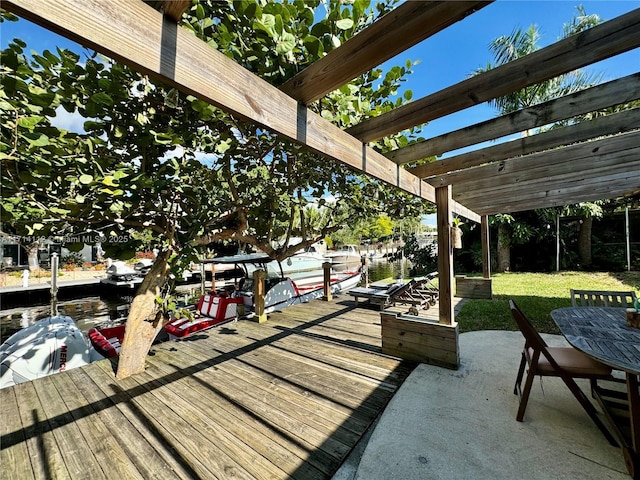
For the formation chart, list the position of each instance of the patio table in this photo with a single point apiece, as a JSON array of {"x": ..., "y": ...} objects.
[{"x": 602, "y": 333}]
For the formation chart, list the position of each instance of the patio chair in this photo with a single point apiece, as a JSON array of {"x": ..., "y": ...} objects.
[
  {"x": 564, "y": 362},
  {"x": 602, "y": 298}
]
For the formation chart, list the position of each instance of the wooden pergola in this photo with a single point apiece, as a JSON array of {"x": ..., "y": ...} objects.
[{"x": 593, "y": 160}]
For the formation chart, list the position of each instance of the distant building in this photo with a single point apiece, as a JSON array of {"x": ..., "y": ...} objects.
[{"x": 12, "y": 254}]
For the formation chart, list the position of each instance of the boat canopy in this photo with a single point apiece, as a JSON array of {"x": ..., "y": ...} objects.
[{"x": 241, "y": 259}]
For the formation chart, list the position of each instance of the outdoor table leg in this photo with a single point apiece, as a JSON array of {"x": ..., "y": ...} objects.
[{"x": 631, "y": 451}]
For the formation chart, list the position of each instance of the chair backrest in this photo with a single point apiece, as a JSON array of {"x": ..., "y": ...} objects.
[
  {"x": 602, "y": 298},
  {"x": 401, "y": 288},
  {"x": 531, "y": 336},
  {"x": 394, "y": 287}
]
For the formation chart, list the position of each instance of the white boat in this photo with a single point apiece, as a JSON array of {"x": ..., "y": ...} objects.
[
  {"x": 316, "y": 251},
  {"x": 120, "y": 274},
  {"x": 303, "y": 262},
  {"x": 346, "y": 254},
  {"x": 283, "y": 290},
  {"x": 49, "y": 346}
]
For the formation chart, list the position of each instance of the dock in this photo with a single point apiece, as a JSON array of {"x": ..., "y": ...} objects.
[{"x": 289, "y": 398}]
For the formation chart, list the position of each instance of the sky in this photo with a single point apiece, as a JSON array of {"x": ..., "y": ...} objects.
[{"x": 447, "y": 57}]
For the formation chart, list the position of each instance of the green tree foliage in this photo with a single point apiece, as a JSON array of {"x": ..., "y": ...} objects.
[
  {"x": 422, "y": 254},
  {"x": 153, "y": 159}
]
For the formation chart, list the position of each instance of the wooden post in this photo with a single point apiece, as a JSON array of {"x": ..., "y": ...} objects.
[
  {"x": 259, "y": 277},
  {"x": 326, "y": 267},
  {"x": 365, "y": 270},
  {"x": 486, "y": 243},
  {"x": 558, "y": 243},
  {"x": 203, "y": 278},
  {"x": 213, "y": 277},
  {"x": 626, "y": 234},
  {"x": 54, "y": 284},
  {"x": 445, "y": 254}
]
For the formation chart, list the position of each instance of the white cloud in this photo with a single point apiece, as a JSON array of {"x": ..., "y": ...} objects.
[{"x": 73, "y": 122}]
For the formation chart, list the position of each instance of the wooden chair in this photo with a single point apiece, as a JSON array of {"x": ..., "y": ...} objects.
[
  {"x": 564, "y": 362},
  {"x": 602, "y": 298}
]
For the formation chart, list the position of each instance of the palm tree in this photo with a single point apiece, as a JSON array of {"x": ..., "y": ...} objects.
[{"x": 506, "y": 49}]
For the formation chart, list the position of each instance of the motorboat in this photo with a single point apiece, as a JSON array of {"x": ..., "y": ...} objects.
[
  {"x": 49, "y": 346},
  {"x": 303, "y": 262},
  {"x": 282, "y": 290},
  {"x": 210, "y": 311},
  {"x": 316, "y": 251},
  {"x": 119, "y": 274},
  {"x": 346, "y": 254},
  {"x": 223, "y": 306},
  {"x": 143, "y": 266}
]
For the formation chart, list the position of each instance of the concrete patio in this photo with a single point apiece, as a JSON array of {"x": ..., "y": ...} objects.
[{"x": 448, "y": 424}]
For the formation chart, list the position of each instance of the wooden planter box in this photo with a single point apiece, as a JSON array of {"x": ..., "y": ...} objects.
[
  {"x": 475, "y": 287},
  {"x": 420, "y": 340}
]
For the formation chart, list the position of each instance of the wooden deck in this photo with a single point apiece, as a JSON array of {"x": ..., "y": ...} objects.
[{"x": 285, "y": 399}]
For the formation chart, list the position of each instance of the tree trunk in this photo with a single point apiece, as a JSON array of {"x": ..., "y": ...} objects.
[
  {"x": 145, "y": 320},
  {"x": 584, "y": 241},
  {"x": 32, "y": 256},
  {"x": 504, "y": 248}
]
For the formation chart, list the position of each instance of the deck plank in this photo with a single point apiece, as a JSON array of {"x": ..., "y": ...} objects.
[
  {"x": 175, "y": 429},
  {"x": 308, "y": 372},
  {"x": 377, "y": 368},
  {"x": 43, "y": 449},
  {"x": 136, "y": 446},
  {"x": 117, "y": 392},
  {"x": 14, "y": 459},
  {"x": 108, "y": 452},
  {"x": 224, "y": 414},
  {"x": 77, "y": 455},
  {"x": 289, "y": 398},
  {"x": 290, "y": 420},
  {"x": 299, "y": 411}
]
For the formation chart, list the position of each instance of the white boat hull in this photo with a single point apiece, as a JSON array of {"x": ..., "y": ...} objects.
[
  {"x": 289, "y": 292},
  {"x": 281, "y": 290},
  {"x": 50, "y": 346}
]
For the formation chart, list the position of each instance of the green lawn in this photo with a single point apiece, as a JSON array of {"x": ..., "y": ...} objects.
[{"x": 536, "y": 294}]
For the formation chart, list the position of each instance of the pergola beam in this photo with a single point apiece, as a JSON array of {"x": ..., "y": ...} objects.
[
  {"x": 543, "y": 165},
  {"x": 612, "y": 174},
  {"x": 615, "y": 92},
  {"x": 398, "y": 30},
  {"x": 136, "y": 35},
  {"x": 624, "y": 121},
  {"x": 172, "y": 8},
  {"x": 613, "y": 186},
  {"x": 598, "y": 43}
]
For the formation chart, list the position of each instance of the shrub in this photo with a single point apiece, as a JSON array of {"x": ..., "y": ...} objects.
[{"x": 74, "y": 259}]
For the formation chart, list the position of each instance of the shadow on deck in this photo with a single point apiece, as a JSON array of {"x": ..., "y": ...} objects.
[{"x": 285, "y": 399}]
